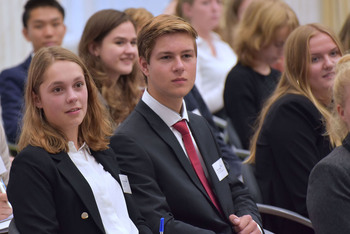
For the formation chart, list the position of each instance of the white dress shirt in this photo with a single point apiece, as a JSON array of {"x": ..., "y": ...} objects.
[
  {"x": 107, "y": 191},
  {"x": 171, "y": 117}
]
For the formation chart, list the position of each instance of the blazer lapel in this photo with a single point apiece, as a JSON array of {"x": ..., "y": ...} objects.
[
  {"x": 220, "y": 188},
  {"x": 108, "y": 162},
  {"x": 163, "y": 131},
  {"x": 66, "y": 166}
]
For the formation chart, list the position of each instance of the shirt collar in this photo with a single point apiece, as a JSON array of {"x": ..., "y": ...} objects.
[
  {"x": 169, "y": 116},
  {"x": 72, "y": 148}
]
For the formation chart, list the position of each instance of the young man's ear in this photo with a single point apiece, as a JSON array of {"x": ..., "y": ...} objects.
[
  {"x": 37, "y": 100},
  {"x": 143, "y": 66},
  {"x": 94, "y": 49},
  {"x": 26, "y": 34}
]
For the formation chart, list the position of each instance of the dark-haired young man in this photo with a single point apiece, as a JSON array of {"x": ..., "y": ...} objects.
[{"x": 43, "y": 26}]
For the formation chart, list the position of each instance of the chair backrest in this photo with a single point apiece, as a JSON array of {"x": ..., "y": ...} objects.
[
  {"x": 248, "y": 175},
  {"x": 249, "y": 179}
]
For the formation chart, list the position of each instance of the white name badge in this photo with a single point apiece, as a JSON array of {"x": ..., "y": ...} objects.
[
  {"x": 125, "y": 183},
  {"x": 220, "y": 169}
]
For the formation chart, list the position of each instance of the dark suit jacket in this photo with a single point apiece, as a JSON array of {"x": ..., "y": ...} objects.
[
  {"x": 290, "y": 144},
  {"x": 194, "y": 101},
  {"x": 12, "y": 82},
  {"x": 164, "y": 183},
  {"x": 328, "y": 194},
  {"x": 49, "y": 194}
]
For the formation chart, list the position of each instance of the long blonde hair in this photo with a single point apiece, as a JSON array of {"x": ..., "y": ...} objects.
[
  {"x": 122, "y": 94},
  {"x": 295, "y": 79},
  {"x": 336, "y": 127},
  {"x": 96, "y": 127}
]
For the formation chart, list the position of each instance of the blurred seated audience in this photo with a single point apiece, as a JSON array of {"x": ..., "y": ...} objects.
[
  {"x": 291, "y": 136},
  {"x": 259, "y": 42}
]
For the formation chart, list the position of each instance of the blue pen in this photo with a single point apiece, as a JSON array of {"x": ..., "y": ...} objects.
[{"x": 161, "y": 226}]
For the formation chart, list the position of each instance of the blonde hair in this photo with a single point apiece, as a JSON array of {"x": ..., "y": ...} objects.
[
  {"x": 139, "y": 15},
  {"x": 336, "y": 127},
  {"x": 258, "y": 27},
  {"x": 295, "y": 78},
  {"x": 95, "y": 128},
  {"x": 122, "y": 94},
  {"x": 160, "y": 26}
]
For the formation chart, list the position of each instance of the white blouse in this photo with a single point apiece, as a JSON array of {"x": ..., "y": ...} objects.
[
  {"x": 212, "y": 70},
  {"x": 107, "y": 191}
]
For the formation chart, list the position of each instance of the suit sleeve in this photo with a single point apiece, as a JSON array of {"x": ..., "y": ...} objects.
[
  {"x": 135, "y": 162},
  {"x": 31, "y": 194},
  {"x": 11, "y": 92},
  {"x": 328, "y": 198}
]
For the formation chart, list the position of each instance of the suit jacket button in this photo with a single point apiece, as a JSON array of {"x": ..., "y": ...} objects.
[{"x": 84, "y": 215}]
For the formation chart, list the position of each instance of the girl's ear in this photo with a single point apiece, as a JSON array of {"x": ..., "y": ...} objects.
[
  {"x": 37, "y": 100},
  {"x": 94, "y": 49}
]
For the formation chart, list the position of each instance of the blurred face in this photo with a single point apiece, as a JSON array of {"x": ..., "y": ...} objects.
[
  {"x": 324, "y": 56},
  {"x": 344, "y": 111},
  {"x": 204, "y": 15},
  {"x": 171, "y": 70},
  {"x": 271, "y": 53},
  {"x": 45, "y": 28},
  {"x": 63, "y": 97},
  {"x": 118, "y": 50}
]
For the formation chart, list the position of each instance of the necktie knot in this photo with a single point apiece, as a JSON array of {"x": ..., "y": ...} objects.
[{"x": 181, "y": 127}]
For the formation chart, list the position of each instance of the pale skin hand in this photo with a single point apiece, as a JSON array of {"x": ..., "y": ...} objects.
[
  {"x": 244, "y": 224},
  {"x": 5, "y": 209}
]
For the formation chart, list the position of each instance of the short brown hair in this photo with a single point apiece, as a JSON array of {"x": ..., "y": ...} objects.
[
  {"x": 96, "y": 127},
  {"x": 159, "y": 26}
]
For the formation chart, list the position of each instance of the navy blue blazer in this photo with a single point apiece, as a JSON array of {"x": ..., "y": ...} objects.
[
  {"x": 194, "y": 101},
  {"x": 50, "y": 195},
  {"x": 165, "y": 184},
  {"x": 12, "y": 82}
]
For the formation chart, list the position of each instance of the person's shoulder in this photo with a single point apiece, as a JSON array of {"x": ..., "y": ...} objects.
[
  {"x": 240, "y": 71},
  {"x": 298, "y": 100},
  {"x": 18, "y": 71},
  {"x": 32, "y": 154},
  {"x": 339, "y": 157}
]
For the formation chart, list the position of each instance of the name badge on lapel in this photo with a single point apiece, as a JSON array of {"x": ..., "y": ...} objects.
[
  {"x": 125, "y": 183},
  {"x": 220, "y": 169}
]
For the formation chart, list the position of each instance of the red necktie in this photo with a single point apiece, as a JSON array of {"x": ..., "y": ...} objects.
[{"x": 181, "y": 126}]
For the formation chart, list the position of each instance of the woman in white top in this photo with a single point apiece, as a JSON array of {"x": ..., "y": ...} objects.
[
  {"x": 215, "y": 57},
  {"x": 65, "y": 178}
]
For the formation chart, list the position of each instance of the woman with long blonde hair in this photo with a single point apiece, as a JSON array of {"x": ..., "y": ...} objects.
[{"x": 290, "y": 137}]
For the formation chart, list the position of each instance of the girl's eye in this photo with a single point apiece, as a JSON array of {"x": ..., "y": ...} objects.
[
  {"x": 57, "y": 90},
  {"x": 79, "y": 84}
]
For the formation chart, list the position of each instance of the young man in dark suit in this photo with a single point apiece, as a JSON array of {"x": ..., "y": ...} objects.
[
  {"x": 42, "y": 26},
  {"x": 181, "y": 178}
]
